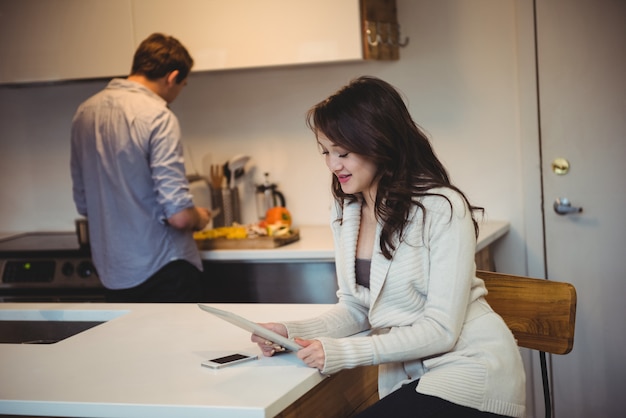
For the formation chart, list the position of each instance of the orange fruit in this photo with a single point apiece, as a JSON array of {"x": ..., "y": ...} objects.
[{"x": 278, "y": 215}]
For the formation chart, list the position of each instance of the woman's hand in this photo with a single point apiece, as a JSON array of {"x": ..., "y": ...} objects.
[
  {"x": 312, "y": 353},
  {"x": 269, "y": 348}
]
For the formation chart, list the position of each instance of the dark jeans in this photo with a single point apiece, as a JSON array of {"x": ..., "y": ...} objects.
[
  {"x": 406, "y": 402},
  {"x": 178, "y": 281}
]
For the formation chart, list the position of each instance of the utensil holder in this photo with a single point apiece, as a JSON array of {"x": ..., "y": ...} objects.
[{"x": 228, "y": 201}]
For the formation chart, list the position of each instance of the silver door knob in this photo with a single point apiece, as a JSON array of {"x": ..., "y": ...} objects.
[{"x": 563, "y": 206}]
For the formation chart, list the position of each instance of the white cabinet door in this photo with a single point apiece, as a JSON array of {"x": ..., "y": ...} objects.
[
  {"x": 229, "y": 34},
  {"x": 43, "y": 40}
]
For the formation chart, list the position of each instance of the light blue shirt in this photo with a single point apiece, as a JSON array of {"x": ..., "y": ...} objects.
[{"x": 128, "y": 178}]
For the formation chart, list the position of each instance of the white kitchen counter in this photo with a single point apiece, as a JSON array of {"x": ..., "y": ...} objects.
[
  {"x": 316, "y": 243},
  {"x": 489, "y": 232},
  {"x": 145, "y": 362}
]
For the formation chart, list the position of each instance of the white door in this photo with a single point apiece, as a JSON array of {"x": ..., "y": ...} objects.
[{"x": 581, "y": 48}]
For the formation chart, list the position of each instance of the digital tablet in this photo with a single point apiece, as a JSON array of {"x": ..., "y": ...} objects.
[{"x": 252, "y": 327}]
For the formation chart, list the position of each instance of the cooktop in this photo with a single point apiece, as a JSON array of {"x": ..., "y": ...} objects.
[
  {"x": 40, "y": 242},
  {"x": 45, "y": 260}
]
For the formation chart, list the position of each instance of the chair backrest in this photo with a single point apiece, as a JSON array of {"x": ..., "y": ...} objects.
[{"x": 540, "y": 313}]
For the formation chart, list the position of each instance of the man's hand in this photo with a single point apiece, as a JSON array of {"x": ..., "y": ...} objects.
[{"x": 195, "y": 219}]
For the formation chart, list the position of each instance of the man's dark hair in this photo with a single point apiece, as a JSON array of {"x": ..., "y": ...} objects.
[{"x": 159, "y": 55}]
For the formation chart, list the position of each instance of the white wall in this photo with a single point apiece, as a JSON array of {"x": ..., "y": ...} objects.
[{"x": 459, "y": 74}]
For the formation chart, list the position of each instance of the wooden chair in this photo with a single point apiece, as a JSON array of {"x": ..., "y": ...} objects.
[{"x": 540, "y": 313}]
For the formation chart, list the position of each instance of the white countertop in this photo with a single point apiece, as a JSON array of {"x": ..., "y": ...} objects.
[
  {"x": 316, "y": 243},
  {"x": 489, "y": 232},
  {"x": 145, "y": 362}
]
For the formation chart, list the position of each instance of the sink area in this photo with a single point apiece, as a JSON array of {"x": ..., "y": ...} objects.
[
  {"x": 49, "y": 326},
  {"x": 41, "y": 332}
]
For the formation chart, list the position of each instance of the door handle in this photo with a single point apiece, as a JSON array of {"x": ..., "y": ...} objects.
[{"x": 563, "y": 206}]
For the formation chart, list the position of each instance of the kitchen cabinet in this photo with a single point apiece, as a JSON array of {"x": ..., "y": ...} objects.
[
  {"x": 44, "y": 40},
  {"x": 52, "y": 40},
  {"x": 293, "y": 281},
  {"x": 286, "y": 281},
  {"x": 241, "y": 34}
]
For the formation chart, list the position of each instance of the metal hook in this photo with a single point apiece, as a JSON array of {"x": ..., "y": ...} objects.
[
  {"x": 369, "y": 38},
  {"x": 378, "y": 39},
  {"x": 406, "y": 39},
  {"x": 391, "y": 30}
]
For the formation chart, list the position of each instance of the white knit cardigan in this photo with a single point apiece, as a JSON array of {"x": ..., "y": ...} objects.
[{"x": 426, "y": 312}]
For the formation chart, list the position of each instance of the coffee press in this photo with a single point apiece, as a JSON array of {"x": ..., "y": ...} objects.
[{"x": 267, "y": 197}]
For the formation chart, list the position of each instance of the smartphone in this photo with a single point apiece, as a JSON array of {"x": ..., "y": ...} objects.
[{"x": 229, "y": 360}]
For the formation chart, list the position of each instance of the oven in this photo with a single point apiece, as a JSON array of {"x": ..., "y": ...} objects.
[{"x": 47, "y": 267}]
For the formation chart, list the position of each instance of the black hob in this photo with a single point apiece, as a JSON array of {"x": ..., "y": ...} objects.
[
  {"x": 46, "y": 260},
  {"x": 41, "y": 242}
]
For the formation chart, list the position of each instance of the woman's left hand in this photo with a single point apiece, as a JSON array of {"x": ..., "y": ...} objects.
[{"x": 311, "y": 353}]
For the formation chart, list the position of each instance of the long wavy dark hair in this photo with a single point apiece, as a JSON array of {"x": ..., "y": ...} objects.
[{"x": 368, "y": 117}]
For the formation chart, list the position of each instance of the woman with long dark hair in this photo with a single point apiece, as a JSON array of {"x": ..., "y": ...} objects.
[{"x": 405, "y": 239}]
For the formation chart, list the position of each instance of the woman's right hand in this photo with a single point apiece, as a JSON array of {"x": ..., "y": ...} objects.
[{"x": 269, "y": 348}]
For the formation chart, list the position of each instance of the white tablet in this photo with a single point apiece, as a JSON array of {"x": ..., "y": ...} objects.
[{"x": 252, "y": 327}]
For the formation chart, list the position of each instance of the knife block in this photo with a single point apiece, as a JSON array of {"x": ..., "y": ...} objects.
[{"x": 227, "y": 200}]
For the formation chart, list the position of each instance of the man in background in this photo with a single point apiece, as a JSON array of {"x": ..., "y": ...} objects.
[{"x": 129, "y": 180}]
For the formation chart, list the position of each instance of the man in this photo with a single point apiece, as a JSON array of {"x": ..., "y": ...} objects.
[{"x": 129, "y": 180}]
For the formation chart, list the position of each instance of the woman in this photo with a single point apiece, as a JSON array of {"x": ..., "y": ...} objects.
[{"x": 405, "y": 239}]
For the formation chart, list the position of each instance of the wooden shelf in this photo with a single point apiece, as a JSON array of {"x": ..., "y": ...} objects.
[{"x": 381, "y": 31}]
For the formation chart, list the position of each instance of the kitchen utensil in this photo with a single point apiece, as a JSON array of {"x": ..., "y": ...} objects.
[
  {"x": 226, "y": 208},
  {"x": 235, "y": 168},
  {"x": 216, "y": 176},
  {"x": 267, "y": 197},
  {"x": 217, "y": 218},
  {"x": 227, "y": 198},
  {"x": 230, "y": 205}
]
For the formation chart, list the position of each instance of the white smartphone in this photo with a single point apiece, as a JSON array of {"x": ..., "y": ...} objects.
[{"x": 229, "y": 360}]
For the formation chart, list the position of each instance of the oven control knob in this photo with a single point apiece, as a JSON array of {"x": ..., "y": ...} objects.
[
  {"x": 67, "y": 269},
  {"x": 86, "y": 269}
]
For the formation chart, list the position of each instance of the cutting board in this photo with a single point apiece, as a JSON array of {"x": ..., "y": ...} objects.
[{"x": 258, "y": 243}]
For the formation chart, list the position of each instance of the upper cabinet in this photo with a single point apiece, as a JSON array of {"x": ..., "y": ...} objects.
[
  {"x": 242, "y": 33},
  {"x": 45, "y": 40}
]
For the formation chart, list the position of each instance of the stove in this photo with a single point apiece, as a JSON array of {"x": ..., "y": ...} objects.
[{"x": 47, "y": 266}]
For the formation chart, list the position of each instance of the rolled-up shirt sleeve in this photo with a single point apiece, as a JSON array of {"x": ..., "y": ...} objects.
[{"x": 168, "y": 167}]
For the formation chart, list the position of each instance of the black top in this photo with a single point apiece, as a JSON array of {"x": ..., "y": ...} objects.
[{"x": 363, "y": 272}]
